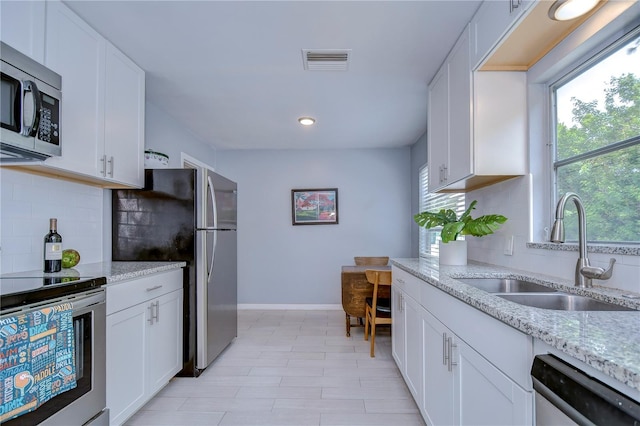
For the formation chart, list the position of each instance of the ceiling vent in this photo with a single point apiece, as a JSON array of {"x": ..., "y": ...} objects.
[{"x": 326, "y": 59}]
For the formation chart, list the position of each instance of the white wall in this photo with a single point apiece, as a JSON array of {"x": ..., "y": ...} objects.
[
  {"x": 164, "y": 134},
  {"x": 279, "y": 263},
  {"x": 512, "y": 199},
  {"x": 418, "y": 159},
  {"x": 27, "y": 202}
]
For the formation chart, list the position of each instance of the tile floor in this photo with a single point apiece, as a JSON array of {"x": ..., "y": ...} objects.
[{"x": 290, "y": 367}]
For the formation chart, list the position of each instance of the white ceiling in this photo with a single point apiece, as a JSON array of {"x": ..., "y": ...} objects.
[{"x": 231, "y": 71}]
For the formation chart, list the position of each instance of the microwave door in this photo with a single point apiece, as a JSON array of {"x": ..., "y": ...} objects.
[{"x": 10, "y": 92}]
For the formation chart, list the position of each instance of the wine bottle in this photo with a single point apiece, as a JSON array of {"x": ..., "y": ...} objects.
[{"x": 53, "y": 248}]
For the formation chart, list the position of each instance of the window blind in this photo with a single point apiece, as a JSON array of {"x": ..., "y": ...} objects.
[{"x": 428, "y": 201}]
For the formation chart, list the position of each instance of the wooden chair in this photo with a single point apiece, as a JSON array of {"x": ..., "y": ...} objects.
[
  {"x": 363, "y": 261},
  {"x": 377, "y": 310},
  {"x": 371, "y": 260}
]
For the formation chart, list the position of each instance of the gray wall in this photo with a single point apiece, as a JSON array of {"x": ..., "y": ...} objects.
[
  {"x": 284, "y": 264},
  {"x": 418, "y": 159},
  {"x": 163, "y": 134}
]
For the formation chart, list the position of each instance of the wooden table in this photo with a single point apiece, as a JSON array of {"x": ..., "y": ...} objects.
[{"x": 355, "y": 289}]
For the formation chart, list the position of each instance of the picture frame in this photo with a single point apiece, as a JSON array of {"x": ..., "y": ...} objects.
[{"x": 314, "y": 206}]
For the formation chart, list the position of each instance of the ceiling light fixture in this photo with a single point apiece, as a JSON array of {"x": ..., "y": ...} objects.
[
  {"x": 306, "y": 121},
  {"x": 565, "y": 10}
]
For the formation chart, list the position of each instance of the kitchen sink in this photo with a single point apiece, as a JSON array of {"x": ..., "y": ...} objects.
[
  {"x": 562, "y": 302},
  {"x": 505, "y": 285}
]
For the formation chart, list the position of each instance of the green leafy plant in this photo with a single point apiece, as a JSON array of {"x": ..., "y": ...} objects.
[{"x": 452, "y": 226}]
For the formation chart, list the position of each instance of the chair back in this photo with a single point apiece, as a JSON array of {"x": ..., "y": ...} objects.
[
  {"x": 371, "y": 261},
  {"x": 377, "y": 278}
]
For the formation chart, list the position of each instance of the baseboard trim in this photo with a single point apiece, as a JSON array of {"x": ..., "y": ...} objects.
[{"x": 294, "y": 307}]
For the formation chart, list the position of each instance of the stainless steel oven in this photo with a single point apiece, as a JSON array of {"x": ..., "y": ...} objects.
[{"x": 86, "y": 403}]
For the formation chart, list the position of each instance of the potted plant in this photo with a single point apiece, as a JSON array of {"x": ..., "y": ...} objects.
[{"x": 452, "y": 250}]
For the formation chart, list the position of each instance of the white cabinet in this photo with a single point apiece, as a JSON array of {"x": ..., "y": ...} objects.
[
  {"x": 484, "y": 395},
  {"x": 103, "y": 96},
  {"x": 438, "y": 129},
  {"x": 77, "y": 52},
  {"x": 22, "y": 25},
  {"x": 123, "y": 151},
  {"x": 461, "y": 366},
  {"x": 491, "y": 23},
  {"x": 397, "y": 327},
  {"x": 449, "y": 119},
  {"x": 437, "y": 404},
  {"x": 144, "y": 340},
  {"x": 477, "y": 124},
  {"x": 460, "y": 153},
  {"x": 407, "y": 331}
]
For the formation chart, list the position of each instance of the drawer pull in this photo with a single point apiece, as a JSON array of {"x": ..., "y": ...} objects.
[{"x": 154, "y": 288}]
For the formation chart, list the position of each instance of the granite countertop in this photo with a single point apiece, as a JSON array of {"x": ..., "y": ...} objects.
[
  {"x": 119, "y": 271},
  {"x": 608, "y": 341},
  {"x": 112, "y": 271}
]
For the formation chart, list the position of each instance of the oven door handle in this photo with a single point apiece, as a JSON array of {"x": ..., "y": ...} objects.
[
  {"x": 88, "y": 300},
  {"x": 79, "y": 302}
]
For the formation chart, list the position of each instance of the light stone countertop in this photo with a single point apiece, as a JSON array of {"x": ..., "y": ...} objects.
[
  {"x": 112, "y": 271},
  {"x": 608, "y": 341},
  {"x": 120, "y": 271}
]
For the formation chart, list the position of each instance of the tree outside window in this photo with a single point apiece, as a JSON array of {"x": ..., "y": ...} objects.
[{"x": 597, "y": 144}]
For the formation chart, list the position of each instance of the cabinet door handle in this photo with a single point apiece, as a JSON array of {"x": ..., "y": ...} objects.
[
  {"x": 445, "y": 170},
  {"x": 103, "y": 160},
  {"x": 110, "y": 161},
  {"x": 513, "y": 5},
  {"x": 157, "y": 310},
  {"x": 444, "y": 348},
  {"x": 154, "y": 287},
  {"x": 450, "y": 345},
  {"x": 150, "y": 307}
]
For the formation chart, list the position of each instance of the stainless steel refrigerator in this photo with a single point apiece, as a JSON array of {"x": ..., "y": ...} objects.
[{"x": 186, "y": 215}]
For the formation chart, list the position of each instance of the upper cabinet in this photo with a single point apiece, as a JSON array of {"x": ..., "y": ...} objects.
[
  {"x": 449, "y": 119},
  {"x": 123, "y": 153},
  {"x": 22, "y": 25},
  {"x": 476, "y": 130},
  {"x": 492, "y": 21},
  {"x": 77, "y": 52},
  {"x": 103, "y": 94}
]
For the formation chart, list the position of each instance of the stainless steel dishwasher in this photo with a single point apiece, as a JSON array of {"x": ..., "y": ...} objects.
[{"x": 565, "y": 395}]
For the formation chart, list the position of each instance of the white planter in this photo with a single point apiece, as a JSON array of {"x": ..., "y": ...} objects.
[{"x": 453, "y": 252}]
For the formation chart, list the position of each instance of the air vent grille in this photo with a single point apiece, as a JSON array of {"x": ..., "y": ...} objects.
[{"x": 326, "y": 59}]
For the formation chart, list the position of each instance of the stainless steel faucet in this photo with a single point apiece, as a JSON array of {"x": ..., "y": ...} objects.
[{"x": 585, "y": 273}]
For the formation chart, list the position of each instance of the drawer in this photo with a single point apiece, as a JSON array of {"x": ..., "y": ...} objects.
[
  {"x": 406, "y": 282},
  {"x": 127, "y": 293}
]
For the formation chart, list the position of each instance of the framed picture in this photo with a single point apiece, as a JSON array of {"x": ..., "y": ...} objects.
[{"x": 314, "y": 206}]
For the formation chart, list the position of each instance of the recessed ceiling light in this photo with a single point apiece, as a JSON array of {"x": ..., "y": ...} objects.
[
  {"x": 565, "y": 10},
  {"x": 306, "y": 121}
]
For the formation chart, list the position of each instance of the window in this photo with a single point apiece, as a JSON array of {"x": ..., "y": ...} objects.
[
  {"x": 597, "y": 142},
  {"x": 428, "y": 238}
]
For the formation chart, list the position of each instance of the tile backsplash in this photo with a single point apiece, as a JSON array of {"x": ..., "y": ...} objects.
[{"x": 27, "y": 202}]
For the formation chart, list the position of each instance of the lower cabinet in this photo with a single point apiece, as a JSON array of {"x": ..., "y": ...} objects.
[
  {"x": 406, "y": 334},
  {"x": 453, "y": 382},
  {"x": 144, "y": 340},
  {"x": 397, "y": 327}
]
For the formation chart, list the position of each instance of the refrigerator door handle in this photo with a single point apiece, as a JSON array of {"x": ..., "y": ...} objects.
[
  {"x": 213, "y": 201},
  {"x": 215, "y": 224},
  {"x": 212, "y": 255}
]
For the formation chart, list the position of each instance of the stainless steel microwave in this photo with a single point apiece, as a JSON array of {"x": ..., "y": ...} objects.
[{"x": 29, "y": 109}]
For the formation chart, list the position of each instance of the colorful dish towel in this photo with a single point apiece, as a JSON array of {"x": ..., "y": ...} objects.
[{"x": 37, "y": 358}]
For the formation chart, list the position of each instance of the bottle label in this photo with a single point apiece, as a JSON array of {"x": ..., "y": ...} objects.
[{"x": 53, "y": 251}]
